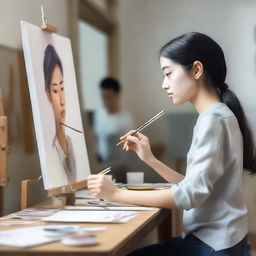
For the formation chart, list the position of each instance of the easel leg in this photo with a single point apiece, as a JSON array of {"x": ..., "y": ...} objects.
[{"x": 24, "y": 202}]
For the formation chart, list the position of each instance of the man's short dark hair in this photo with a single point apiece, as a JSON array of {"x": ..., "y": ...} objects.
[{"x": 110, "y": 83}]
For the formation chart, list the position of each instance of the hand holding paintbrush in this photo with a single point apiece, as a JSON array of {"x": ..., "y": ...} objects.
[
  {"x": 139, "y": 143},
  {"x": 154, "y": 118}
]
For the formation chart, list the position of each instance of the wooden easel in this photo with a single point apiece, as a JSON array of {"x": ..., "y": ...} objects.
[
  {"x": 45, "y": 26},
  {"x": 3, "y": 151},
  {"x": 64, "y": 195}
]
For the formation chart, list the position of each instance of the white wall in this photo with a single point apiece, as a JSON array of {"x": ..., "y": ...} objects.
[
  {"x": 22, "y": 165},
  {"x": 93, "y": 62},
  {"x": 145, "y": 25},
  {"x": 12, "y": 11}
]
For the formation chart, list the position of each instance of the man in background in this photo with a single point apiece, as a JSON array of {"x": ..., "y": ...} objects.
[{"x": 111, "y": 122}]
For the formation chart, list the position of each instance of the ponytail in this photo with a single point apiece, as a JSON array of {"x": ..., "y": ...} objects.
[
  {"x": 249, "y": 154},
  {"x": 194, "y": 46}
]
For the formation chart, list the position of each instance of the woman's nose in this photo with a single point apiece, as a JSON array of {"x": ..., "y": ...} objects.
[
  {"x": 62, "y": 100},
  {"x": 165, "y": 84}
]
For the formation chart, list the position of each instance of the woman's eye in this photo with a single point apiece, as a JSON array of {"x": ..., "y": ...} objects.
[
  {"x": 62, "y": 89},
  {"x": 167, "y": 75},
  {"x": 55, "y": 91}
]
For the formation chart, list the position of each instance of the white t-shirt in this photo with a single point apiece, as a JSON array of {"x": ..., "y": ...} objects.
[
  {"x": 211, "y": 193},
  {"x": 107, "y": 125}
]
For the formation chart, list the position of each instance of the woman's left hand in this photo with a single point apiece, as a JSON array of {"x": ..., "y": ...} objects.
[{"x": 102, "y": 187}]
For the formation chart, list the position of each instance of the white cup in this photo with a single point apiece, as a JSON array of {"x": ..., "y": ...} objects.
[{"x": 135, "y": 177}]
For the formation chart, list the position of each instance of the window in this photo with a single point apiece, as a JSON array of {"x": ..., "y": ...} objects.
[{"x": 93, "y": 50}]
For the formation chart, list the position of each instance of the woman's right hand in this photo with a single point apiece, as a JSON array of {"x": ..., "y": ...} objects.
[
  {"x": 102, "y": 187},
  {"x": 139, "y": 143}
]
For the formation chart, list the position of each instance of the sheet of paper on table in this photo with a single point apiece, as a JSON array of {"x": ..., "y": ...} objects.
[
  {"x": 25, "y": 237},
  {"x": 92, "y": 216},
  {"x": 111, "y": 208}
]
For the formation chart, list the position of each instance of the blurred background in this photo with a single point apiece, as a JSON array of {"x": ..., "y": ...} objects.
[{"x": 121, "y": 39}]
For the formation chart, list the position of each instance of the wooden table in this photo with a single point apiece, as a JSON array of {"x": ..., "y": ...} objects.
[{"x": 118, "y": 239}]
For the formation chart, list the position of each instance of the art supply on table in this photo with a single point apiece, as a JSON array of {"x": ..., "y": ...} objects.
[
  {"x": 62, "y": 230},
  {"x": 59, "y": 230},
  {"x": 32, "y": 236},
  {"x": 35, "y": 213},
  {"x": 98, "y": 202},
  {"x": 135, "y": 177},
  {"x": 19, "y": 222},
  {"x": 147, "y": 186},
  {"x": 94, "y": 229},
  {"x": 154, "y": 118},
  {"x": 79, "y": 239},
  {"x": 140, "y": 188}
]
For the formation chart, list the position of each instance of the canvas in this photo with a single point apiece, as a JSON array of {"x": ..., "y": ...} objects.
[{"x": 54, "y": 99}]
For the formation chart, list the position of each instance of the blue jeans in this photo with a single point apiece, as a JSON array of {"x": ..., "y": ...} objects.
[{"x": 191, "y": 246}]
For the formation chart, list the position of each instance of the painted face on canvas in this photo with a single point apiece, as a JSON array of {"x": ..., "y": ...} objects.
[
  {"x": 178, "y": 83},
  {"x": 56, "y": 95}
]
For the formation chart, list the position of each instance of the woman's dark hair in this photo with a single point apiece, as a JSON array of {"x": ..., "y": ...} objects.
[
  {"x": 111, "y": 84},
  {"x": 191, "y": 47},
  {"x": 51, "y": 60}
]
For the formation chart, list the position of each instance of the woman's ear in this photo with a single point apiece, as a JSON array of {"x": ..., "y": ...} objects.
[{"x": 197, "y": 69}]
